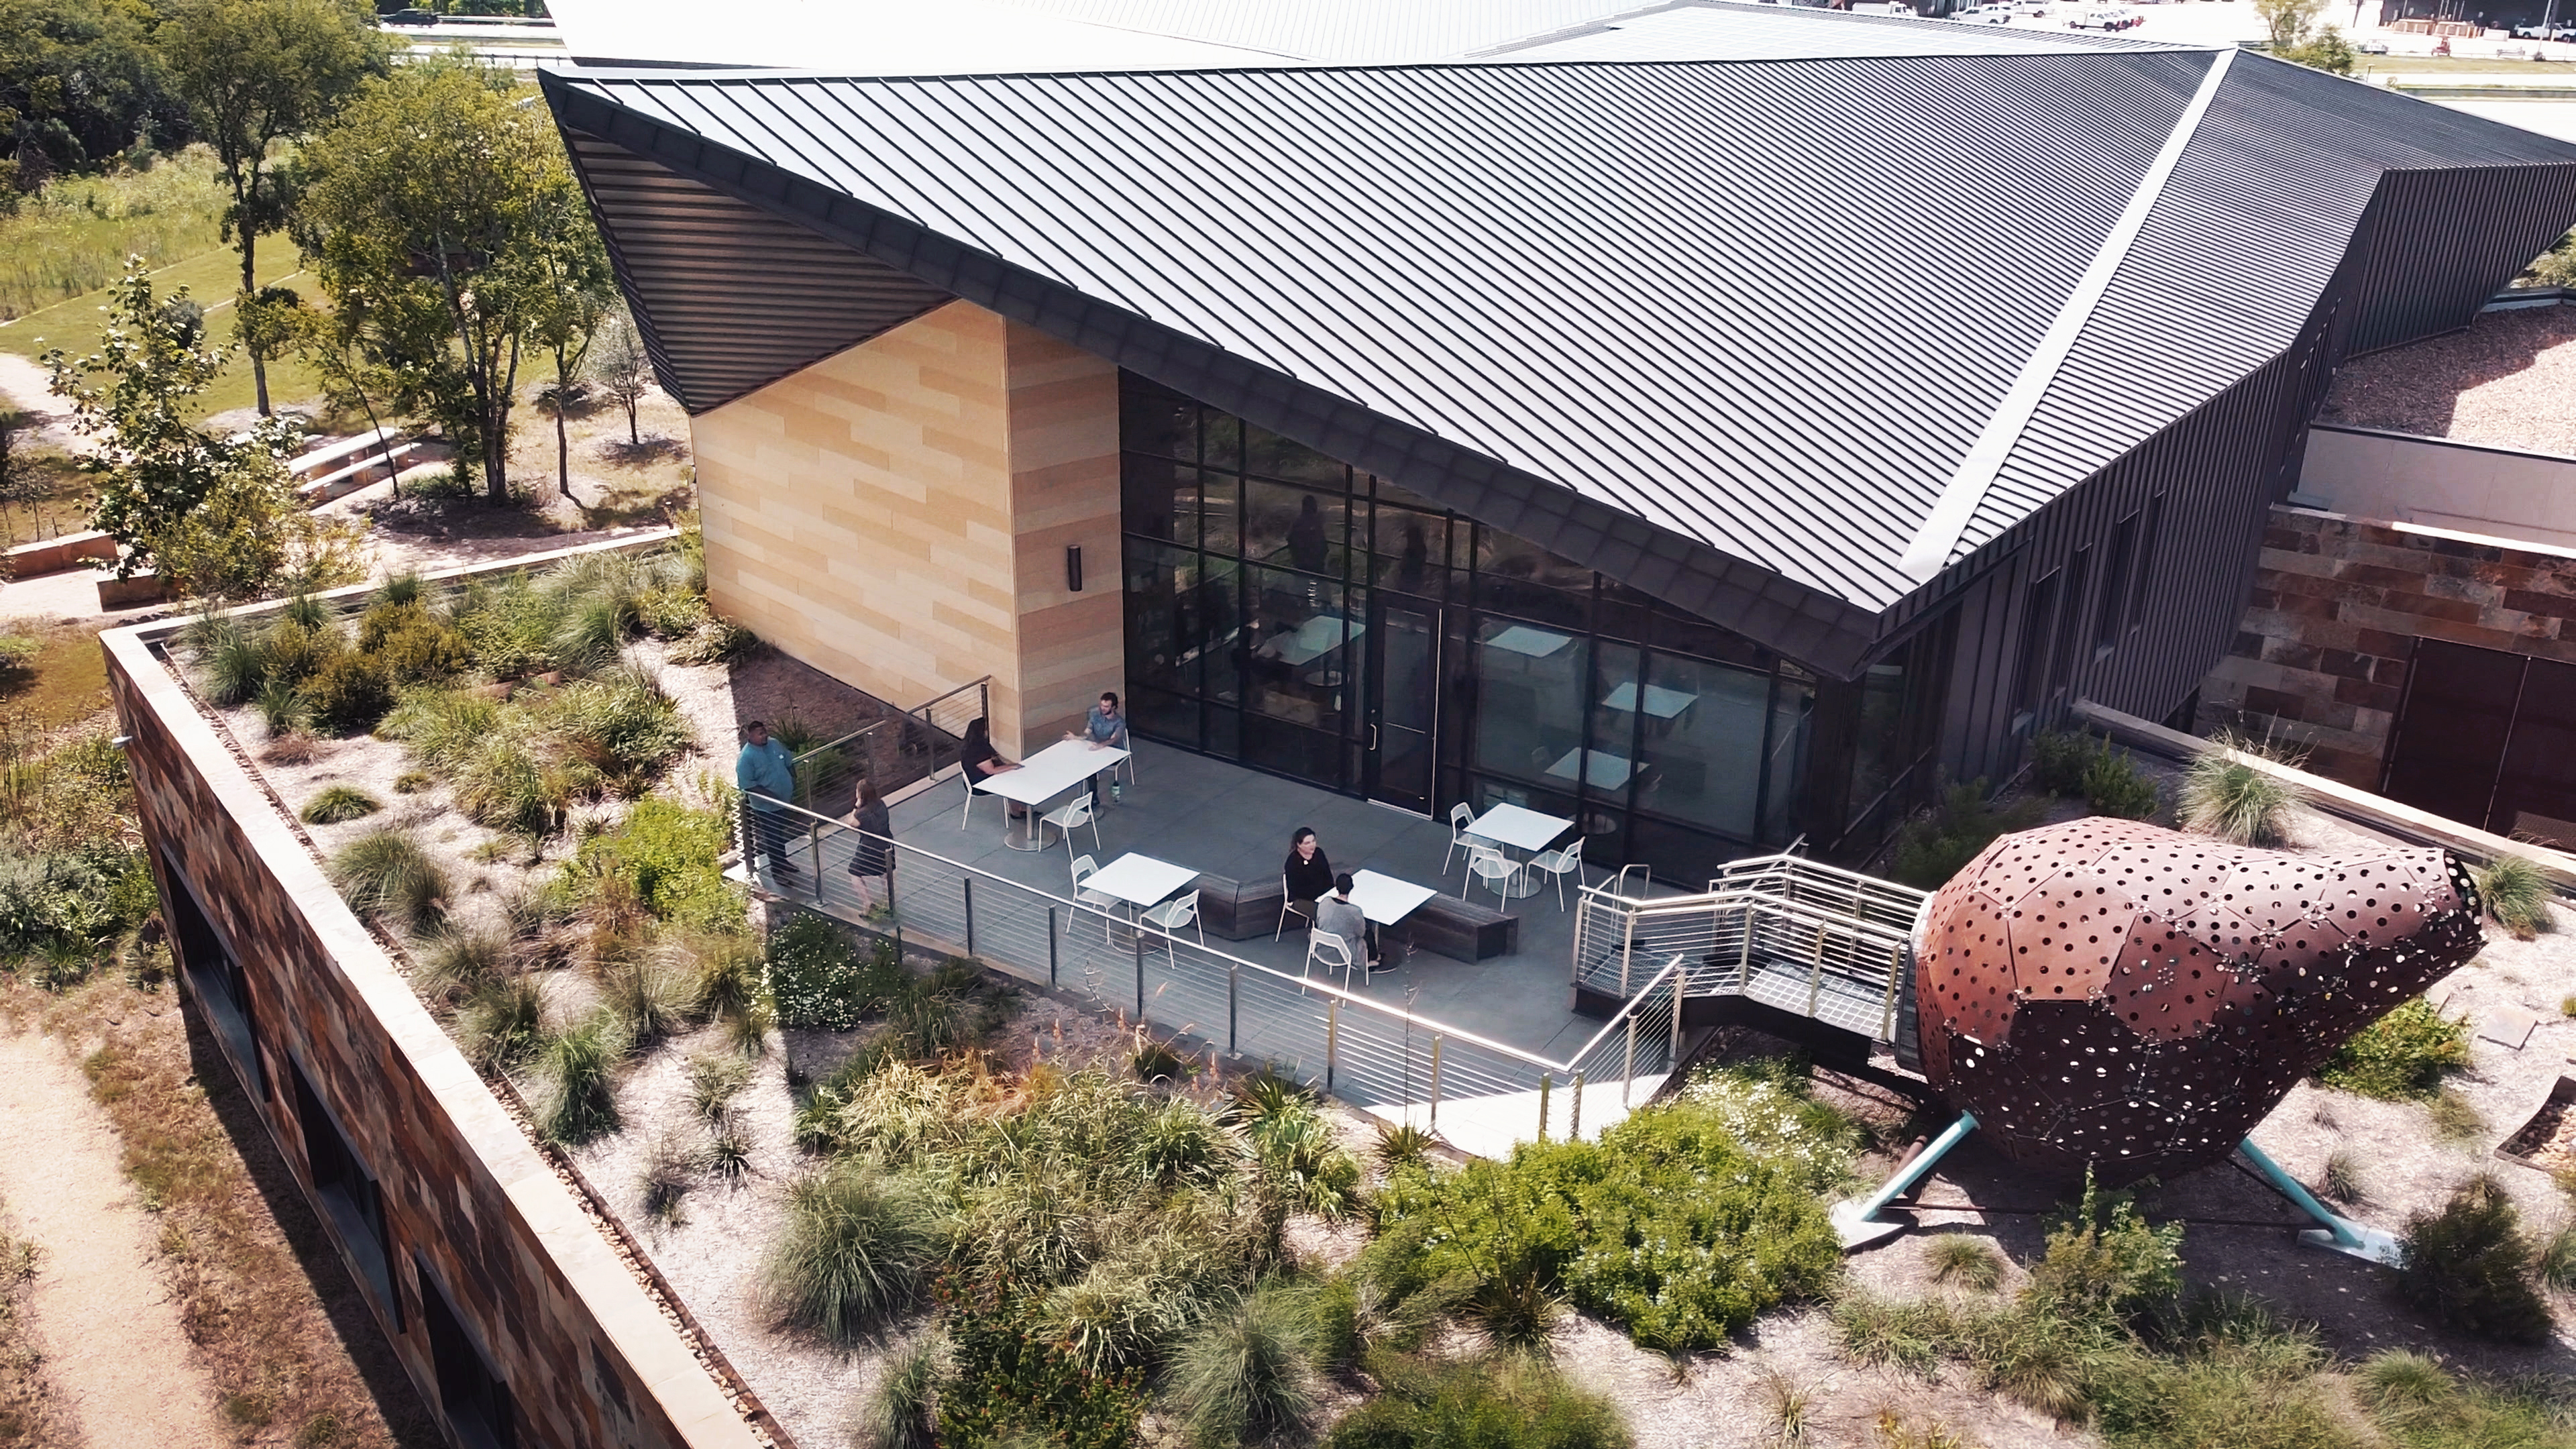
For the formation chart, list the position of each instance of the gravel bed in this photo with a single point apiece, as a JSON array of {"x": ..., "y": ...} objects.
[{"x": 2503, "y": 381}]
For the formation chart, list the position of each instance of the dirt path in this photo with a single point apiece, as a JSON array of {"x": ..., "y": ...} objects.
[
  {"x": 26, "y": 387},
  {"x": 115, "y": 1350}
]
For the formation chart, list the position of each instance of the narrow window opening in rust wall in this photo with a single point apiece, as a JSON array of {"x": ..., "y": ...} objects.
[
  {"x": 470, "y": 1394},
  {"x": 217, "y": 981},
  {"x": 345, "y": 1189}
]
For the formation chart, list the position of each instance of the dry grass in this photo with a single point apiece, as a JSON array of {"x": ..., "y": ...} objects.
[
  {"x": 291, "y": 1348},
  {"x": 30, "y": 1416}
]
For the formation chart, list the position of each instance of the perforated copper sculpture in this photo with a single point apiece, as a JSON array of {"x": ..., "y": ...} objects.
[{"x": 2112, "y": 993}]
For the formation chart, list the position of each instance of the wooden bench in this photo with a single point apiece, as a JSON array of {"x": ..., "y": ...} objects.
[
  {"x": 1462, "y": 930},
  {"x": 1236, "y": 911}
]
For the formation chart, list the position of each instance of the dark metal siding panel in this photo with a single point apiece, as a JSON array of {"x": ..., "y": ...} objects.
[
  {"x": 728, "y": 297},
  {"x": 2450, "y": 239}
]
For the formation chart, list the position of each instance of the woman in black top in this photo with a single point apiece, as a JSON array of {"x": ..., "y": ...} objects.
[
  {"x": 873, "y": 856},
  {"x": 1308, "y": 876}
]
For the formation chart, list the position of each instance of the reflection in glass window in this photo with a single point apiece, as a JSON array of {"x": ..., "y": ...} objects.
[
  {"x": 1519, "y": 577},
  {"x": 1214, "y": 627},
  {"x": 1159, "y": 498},
  {"x": 1300, "y": 643},
  {"x": 1410, "y": 548},
  {"x": 1161, "y": 643},
  {"x": 1293, "y": 527},
  {"x": 1272, "y": 456},
  {"x": 1879, "y": 748},
  {"x": 1151, "y": 420},
  {"x": 1793, "y": 706},
  {"x": 1529, "y": 716},
  {"x": 1220, "y": 507},
  {"x": 1703, "y": 728}
]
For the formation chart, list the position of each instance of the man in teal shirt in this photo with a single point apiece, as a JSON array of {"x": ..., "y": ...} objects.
[{"x": 766, "y": 775}]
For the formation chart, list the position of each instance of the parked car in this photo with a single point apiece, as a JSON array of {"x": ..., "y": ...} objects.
[
  {"x": 2372, "y": 47},
  {"x": 2033, "y": 9},
  {"x": 410, "y": 17},
  {"x": 2104, "y": 19},
  {"x": 1984, "y": 15}
]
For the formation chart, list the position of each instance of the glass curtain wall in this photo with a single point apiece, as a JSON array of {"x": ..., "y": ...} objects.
[{"x": 1265, "y": 584}]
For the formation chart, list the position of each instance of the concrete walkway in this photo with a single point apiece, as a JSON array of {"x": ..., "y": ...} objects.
[{"x": 114, "y": 1348}]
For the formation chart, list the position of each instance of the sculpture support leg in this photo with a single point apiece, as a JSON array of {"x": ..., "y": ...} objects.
[
  {"x": 2340, "y": 1234},
  {"x": 1858, "y": 1222}
]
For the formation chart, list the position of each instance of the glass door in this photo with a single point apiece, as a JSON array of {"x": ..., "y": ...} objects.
[{"x": 1404, "y": 699}]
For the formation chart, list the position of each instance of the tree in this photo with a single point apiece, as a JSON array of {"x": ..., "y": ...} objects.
[
  {"x": 576, "y": 291},
  {"x": 2288, "y": 20},
  {"x": 622, "y": 368},
  {"x": 154, "y": 467},
  {"x": 430, "y": 203},
  {"x": 2326, "y": 50},
  {"x": 78, "y": 86},
  {"x": 257, "y": 72}
]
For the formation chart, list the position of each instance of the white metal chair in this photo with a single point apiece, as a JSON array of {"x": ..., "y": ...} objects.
[
  {"x": 965, "y": 817},
  {"x": 1561, "y": 863},
  {"x": 1460, "y": 817},
  {"x": 1496, "y": 869},
  {"x": 1334, "y": 952},
  {"x": 1303, "y": 910},
  {"x": 1175, "y": 913},
  {"x": 1084, "y": 867},
  {"x": 1072, "y": 816}
]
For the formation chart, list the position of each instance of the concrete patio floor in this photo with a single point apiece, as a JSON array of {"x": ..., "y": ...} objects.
[{"x": 1222, "y": 819}]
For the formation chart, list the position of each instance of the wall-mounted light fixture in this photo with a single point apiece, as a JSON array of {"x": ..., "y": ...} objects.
[{"x": 1073, "y": 568}]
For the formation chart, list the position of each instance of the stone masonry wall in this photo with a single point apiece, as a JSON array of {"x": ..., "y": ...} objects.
[
  {"x": 2336, "y": 608},
  {"x": 588, "y": 1357}
]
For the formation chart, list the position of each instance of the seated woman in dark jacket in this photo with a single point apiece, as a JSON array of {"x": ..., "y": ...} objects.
[{"x": 1307, "y": 877}]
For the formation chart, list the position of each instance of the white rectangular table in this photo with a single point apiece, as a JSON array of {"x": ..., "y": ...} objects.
[
  {"x": 1522, "y": 829},
  {"x": 1312, "y": 640},
  {"x": 1386, "y": 900},
  {"x": 1140, "y": 880},
  {"x": 1661, "y": 703},
  {"x": 1043, "y": 776},
  {"x": 1609, "y": 771},
  {"x": 1536, "y": 643}
]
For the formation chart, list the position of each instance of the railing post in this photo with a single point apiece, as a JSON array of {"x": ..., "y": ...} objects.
[
  {"x": 1332, "y": 1040},
  {"x": 1574, "y": 1112},
  {"x": 814, "y": 856},
  {"x": 1816, "y": 976},
  {"x": 1744, "y": 957},
  {"x": 1627, "y": 949},
  {"x": 1887, "y": 1008},
  {"x": 1545, "y": 1081},
  {"x": 1233, "y": 999},
  {"x": 1435, "y": 1084},
  {"x": 1140, "y": 971},
  {"x": 967, "y": 883},
  {"x": 1628, "y": 1069},
  {"x": 1051, "y": 934},
  {"x": 1675, "y": 1060},
  {"x": 895, "y": 915}
]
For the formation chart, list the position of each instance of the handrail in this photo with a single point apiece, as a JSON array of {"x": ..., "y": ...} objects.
[
  {"x": 922, "y": 710},
  {"x": 1800, "y": 911},
  {"x": 1626, "y": 1009},
  {"x": 1310, "y": 984}
]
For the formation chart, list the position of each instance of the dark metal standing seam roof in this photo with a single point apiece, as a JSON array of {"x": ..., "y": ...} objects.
[{"x": 1650, "y": 293}]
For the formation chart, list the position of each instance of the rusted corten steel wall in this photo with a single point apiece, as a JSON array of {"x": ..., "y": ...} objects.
[{"x": 585, "y": 1354}]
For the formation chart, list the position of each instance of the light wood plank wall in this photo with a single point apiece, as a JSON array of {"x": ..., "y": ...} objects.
[{"x": 897, "y": 516}]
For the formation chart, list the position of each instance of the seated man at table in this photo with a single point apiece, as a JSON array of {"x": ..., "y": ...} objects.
[
  {"x": 1338, "y": 915},
  {"x": 1106, "y": 728},
  {"x": 978, "y": 760}
]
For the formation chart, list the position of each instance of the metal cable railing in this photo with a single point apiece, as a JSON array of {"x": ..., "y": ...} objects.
[
  {"x": 1362, "y": 1050},
  {"x": 897, "y": 751},
  {"x": 1813, "y": 939}
]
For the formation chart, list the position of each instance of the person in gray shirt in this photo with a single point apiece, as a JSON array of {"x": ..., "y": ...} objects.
[{"x": 1337, "y": 915}]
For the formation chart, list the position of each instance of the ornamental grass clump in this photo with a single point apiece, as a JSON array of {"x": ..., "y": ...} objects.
[
  {"x": 2470, "y": 1266},
  {"x": 577, "y": 1070},
  {"x": 1247, "y": 1374},
  {"x": 2515, "y": 894},
  {"x": 2228, "y": 796},
  {"x": 339, "y": 804},
  {"x": 902, "y": 1411},
  {"x": 855, "y": 1249},
  {"x": 389, "y": 874}
]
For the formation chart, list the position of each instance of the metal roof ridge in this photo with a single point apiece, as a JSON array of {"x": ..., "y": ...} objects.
[{"x": 1929, "y": 553}]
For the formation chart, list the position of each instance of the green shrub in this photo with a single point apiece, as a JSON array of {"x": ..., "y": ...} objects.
[
  {"x": 294, "y": 650},
  {"x": 509, "y": 623},
  {"x": 2554, "y": 1259},
  {"x": 338, "y": 804},
  {"x": 388, "y": 873},
  {"x": 282, "y": 709},
  {"x": 2418, "y": 1404},
  {"x": 1402, "y": 1145},
  {"x": 2469, "y": 1266},
  {"x": 713, "y": 1083},
  {"x": 621, "y": 725},
  {"x": 1247, "y": 1374},
  {"x": 666, "y": 856},
  {"x": 2235, "y": 800},
  {"x": 578, "y": 1072},
  {"x": 2515, "y": 893},
  {"x": 854, "y": 1249},
  {"x": 2402, "y": 1057},
  {"x": 1298, "y": 1155},
  {"x": 236, "y": 660},
  {"x": 2240, "y": 1379},
  {"x": 814, "y": 974},
  {"x": 456, "y": 964},
  {"x": 1017, "y": 1383},
  {"x": 901, "y": 1411},
  {"x": 501, "y": 1023},
  {"x": 1906, "y": 1333},
  {"x": 1476, "y": 1404},
  {"x": 2114, "y": 785},
  {"x": 1933, "y": 848},
  {"x": 349, "y": 693},
  {"x": 411, "y": 644},
  {"x": 650, "y": 998},
  {"x": 412, "y": 782},
  {"x": 70, "y": 905},
  {"x": 2104, "y": 1260},
  {"x": 2058, "y": 761},
  {"x": 441, "y": 729},
  {"x": 1673, "y": 1225}
]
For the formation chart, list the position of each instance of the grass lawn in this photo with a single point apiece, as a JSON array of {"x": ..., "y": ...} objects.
[
  {"x": 2406, "y": 65},
  {"x": 211, "y": 278}
]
